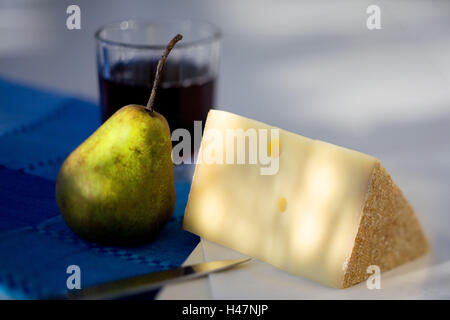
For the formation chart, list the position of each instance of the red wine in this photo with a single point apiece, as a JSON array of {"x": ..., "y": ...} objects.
[{"x": 186, "y": 92}]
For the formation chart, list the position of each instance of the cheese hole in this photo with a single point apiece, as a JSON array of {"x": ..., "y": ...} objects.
[
  {"x": 272, "y": 146},
  {"x": 282, "y": 205}
]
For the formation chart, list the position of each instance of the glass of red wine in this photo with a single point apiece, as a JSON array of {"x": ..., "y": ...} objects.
[{"x": 127, "y": 57}]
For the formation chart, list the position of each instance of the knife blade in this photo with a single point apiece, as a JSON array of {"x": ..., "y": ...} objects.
[{"x": 150, "y": 281}]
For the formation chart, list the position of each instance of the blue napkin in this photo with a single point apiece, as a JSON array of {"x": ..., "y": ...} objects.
[
  {"x": 45, "y": 127},
  {"x": 38, "y": 130}
]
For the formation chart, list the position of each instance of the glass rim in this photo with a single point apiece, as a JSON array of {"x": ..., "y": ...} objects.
[{"x": 216, "y": 34}]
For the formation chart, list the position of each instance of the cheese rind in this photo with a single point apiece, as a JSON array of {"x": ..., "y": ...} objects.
[
  {"x": 304, "y": 219},
  {"x": 389, "y": 233}
]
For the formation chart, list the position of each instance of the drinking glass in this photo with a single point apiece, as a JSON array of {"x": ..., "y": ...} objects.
[{"x": 128, "y": 53}]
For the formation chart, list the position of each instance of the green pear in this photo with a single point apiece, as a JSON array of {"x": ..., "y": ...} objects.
[{"x": 118, "y": 187}]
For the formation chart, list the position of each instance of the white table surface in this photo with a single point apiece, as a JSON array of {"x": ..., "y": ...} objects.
[{"x": 308, "y": 67}]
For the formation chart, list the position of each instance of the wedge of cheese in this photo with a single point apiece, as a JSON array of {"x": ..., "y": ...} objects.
[{"x": 326, "y": 214}]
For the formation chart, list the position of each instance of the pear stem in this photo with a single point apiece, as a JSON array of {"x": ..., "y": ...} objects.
[{"x": 159, "y": 69}]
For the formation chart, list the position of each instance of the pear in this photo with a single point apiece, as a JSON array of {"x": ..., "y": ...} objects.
[{"x": 117, "y": 187}]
